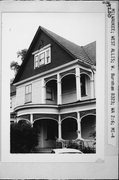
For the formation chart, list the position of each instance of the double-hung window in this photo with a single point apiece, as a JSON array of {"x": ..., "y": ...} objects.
[
  {"x": 28, "y": 93},
  {"x": 47, "y": 56},
  {"x": 42, "y": 56}
]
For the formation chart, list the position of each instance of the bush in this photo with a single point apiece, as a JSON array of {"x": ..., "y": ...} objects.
[
  {"x": 22, "y": 137},
  {"x": 77, "y": 144}
]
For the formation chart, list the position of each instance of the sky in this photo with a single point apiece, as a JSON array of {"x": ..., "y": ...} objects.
[{"x": 18, "y": 29}]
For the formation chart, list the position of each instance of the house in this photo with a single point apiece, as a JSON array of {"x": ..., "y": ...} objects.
[{"x": 55, "y": 89}]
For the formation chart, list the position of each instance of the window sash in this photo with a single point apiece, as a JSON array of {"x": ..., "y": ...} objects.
[
  {"x": 50, "y": 94},
  {"x": 42, "y": 58},
  {"x": 28, "y": 93},
  {"x": 28, "y": 97},
  {"x": 36, "y": 61},
  {"x": 48, "y": 56}
]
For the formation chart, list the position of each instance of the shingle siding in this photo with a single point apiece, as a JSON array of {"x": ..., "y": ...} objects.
[{"x": 20, "y": 96}]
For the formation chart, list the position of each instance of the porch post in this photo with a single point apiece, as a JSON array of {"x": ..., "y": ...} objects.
[
  {"x": 79, "y": 125},
  {"x": 92, "y": 85},
  {"x": 58, "y": 89},
  {"x": 43, "y": 92},
  {"x": 78, "y": 84},
  {"x": 59, "y": 128},
  {"x": 31, "y": 119},
  {"x": 17, "y": 119}
]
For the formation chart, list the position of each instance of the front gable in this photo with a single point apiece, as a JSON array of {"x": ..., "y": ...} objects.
[{"x": 58, "y": 56}]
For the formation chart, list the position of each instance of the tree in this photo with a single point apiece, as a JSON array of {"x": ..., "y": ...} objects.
[{"x": 14, "y": 64}]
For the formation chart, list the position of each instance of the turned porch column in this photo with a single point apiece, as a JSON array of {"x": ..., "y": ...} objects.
[
  {"x": 31, "y": 119},
  {"x": 79, "y": 125},
  {"x": 59, "y": 95},
  {"x": 43, "y": 92},
  {"x": 78, "y": 83},
  {"x": 92, "y": 86},
  {"x": 59, "y": 128}
]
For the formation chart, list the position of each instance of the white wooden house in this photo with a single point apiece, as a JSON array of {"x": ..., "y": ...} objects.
[{"x": 55, "y": 89}]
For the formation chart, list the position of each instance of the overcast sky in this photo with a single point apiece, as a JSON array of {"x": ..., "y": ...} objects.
[{"x": 18, "y": 29}]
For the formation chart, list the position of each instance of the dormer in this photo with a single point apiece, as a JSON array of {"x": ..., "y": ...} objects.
[{"x": 42, "y": 56}]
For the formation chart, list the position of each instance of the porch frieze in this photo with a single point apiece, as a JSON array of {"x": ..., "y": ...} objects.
[
  {"x": 63, "y": 116},
  {"x": 39, "y": 116},
  {"x": 83, "y": 113}
]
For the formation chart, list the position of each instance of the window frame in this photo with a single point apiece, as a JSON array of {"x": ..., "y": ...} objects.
[
  {"x": 28, "y": 94},
  {"x": 49, "y": 91},
  {"x": 47, "y": 56}
]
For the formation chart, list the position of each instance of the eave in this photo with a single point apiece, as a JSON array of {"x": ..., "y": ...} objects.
[{"x": 56, "y": 69}]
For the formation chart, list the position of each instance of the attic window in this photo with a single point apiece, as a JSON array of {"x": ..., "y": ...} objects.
[{"x": 42, "y": 56}]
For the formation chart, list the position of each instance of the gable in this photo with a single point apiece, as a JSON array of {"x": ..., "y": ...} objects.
[{"x": 58, "y": 57}]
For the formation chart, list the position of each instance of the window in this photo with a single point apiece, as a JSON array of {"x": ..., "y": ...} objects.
[
  {"x": 50, "y": 94},
  {"x": 28, "y": 92},
  {"x": 36, "y": 61},
  {"x": 48, "y": 56},
  {"x": 83, "y": 85},
  {"x": 42, "y": 56},
  {"x": 41, "y": 59}
]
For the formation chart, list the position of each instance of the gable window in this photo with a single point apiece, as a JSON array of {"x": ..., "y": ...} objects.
[
  {"x": 42, "y": 56},
  {"x": 42, "y": 59},
  {"x": 47, "y": 56},
  {"x": 83, "y": 85},
  {"x": 28, "y": 93}
]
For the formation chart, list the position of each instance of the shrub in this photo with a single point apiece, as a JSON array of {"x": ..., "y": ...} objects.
[{"x": 22, "y": 137}]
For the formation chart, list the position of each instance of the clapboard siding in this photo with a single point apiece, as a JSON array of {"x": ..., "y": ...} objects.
[
  {"x": 20, "y": 95},
  {"x": 37, "y": 92}
]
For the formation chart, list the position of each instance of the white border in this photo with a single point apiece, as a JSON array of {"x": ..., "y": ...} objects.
[{"x": 100, "y": 101}]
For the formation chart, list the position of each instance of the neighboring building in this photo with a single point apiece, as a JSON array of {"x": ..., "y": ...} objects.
[{"x": 55, "y": 89}]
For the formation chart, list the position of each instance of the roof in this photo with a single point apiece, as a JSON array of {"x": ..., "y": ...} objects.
[
  {"x": 85, "y": 54},
  {"x": 76, "y": 50},
  {"x": 90, "y": 50}
]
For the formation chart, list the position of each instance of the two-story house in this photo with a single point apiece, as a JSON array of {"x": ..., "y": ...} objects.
[{"x": 55, "y": 89}]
